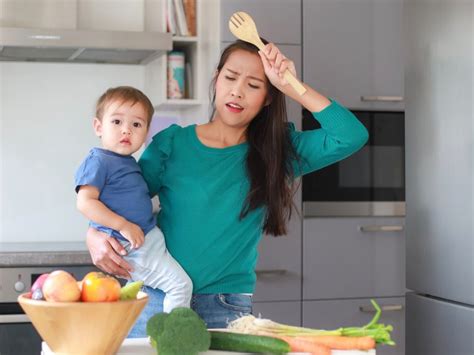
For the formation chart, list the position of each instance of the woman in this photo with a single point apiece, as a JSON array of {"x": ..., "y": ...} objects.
[{"x": 223, "y": 183}]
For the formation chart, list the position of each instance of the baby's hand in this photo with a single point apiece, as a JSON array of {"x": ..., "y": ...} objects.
[{"x": 133, "y": 234}]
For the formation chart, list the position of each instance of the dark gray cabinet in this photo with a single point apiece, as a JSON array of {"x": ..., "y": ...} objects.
[
  {"x": 278, "y": 21},
  {"x": 332, "y": 314},
  {"x": 282, "y": 312},
  {"x": 353, "y": 51},
  {"x": 353, "y": 257}
]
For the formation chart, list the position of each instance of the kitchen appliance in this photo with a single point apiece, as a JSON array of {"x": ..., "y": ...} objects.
[
  {"x": 371, "y": 182},
  {"x": 439, "y": 177},
  {"x": 17, "y": 334},
  {"x": 81, "y": 46}
]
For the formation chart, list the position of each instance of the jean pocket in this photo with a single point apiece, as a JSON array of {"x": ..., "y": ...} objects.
[{"x": 235, "y": 302}]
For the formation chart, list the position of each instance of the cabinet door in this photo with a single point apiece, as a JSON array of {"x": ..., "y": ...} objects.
[
  {"x": 337, "y": 57},
  {"x": 117, "y": 15},
  {"x": 38, "y": 14},
  {"x": 353, "y": 257},
  {"x": 278, "y": 21},
  {"x": 282, "y": 312},
  {"x": 388, "y": 72},
  {"x": 333, "y": 314}
]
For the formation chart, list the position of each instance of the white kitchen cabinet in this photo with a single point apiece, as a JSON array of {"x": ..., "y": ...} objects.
[
  {"x": 332, "y": 314},
  {"x": 111, "y": 15},
  {"x": 38, "y": 13},
  {"x": 353, "y": 257},
  {"x": 278, "y": 21},
  {"x": 282, "y": 312},
  {"x": 353, "y": 51}
]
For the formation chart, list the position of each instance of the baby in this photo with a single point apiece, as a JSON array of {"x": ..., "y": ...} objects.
[{"x": 113, "y": 195}]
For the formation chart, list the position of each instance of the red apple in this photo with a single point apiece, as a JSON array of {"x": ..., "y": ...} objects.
[
  {"x": 61, "y": 286},
  {"x": 39, "y": 282}
]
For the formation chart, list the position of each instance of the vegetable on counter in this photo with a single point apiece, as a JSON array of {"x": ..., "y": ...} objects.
[
  {"x": 336, "y": 342},
  {"x": 365, "y": 337},
  {"x": 247, "y": 343},
  {"x": 180, "y": 332}
]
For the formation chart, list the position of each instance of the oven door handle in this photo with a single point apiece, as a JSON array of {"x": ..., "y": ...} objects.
[{"x": 14, "y": 318}]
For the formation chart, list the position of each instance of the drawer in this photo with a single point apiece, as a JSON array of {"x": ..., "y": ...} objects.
[{"x": 353, "y": 257}]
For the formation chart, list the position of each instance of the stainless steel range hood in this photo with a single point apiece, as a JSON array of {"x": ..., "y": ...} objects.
[{"x": 79, "y": 46}]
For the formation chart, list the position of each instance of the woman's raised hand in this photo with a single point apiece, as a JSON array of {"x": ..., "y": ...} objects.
[
  {"x": 275, "y": 64},
  {"x": 105, "y": 253}
]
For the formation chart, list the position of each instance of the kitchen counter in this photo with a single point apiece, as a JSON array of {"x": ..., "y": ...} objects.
[
  {"x": 140, "y": 346},
  {"x": 44, "y": 254}
]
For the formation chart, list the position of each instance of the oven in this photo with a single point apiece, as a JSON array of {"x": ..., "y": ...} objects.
[
  {"x": 17, "y": 334},
  {"x": 371, "y": 182}
]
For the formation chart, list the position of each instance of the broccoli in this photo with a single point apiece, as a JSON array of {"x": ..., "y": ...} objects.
[{"x": 181, "y": 332}]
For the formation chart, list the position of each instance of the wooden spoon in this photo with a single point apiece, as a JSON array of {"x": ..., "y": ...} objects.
[{"x": 243, "y": 27}]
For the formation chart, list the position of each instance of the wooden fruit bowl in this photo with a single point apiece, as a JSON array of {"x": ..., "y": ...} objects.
[{"x": 83, "y": 327}]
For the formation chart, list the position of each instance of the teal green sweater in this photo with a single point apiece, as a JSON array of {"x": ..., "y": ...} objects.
[{"x": 202, "y": 191}]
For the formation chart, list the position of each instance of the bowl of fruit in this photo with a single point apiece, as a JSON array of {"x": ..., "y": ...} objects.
[{"x": 91, "y": 316}]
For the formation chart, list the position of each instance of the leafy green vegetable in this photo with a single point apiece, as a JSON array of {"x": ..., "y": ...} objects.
[{"x": 181, "y": 332}]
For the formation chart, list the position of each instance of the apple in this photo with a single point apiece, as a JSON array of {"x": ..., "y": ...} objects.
[
  {"x": 38, "y": 284},
  {"x": 61, "y": 286},
  {"x": 99, "y": 287}
]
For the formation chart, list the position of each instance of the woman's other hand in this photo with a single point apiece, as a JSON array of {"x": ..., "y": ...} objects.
[
  {"x": 105, "y": 253},
  {"x": 275, "y": 64}
]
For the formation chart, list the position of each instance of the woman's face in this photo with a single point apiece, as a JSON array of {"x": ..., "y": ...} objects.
[{"x": 241, "y": 89}]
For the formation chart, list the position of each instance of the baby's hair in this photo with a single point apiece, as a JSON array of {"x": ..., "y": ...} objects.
[{"x": 124, "y": 94}]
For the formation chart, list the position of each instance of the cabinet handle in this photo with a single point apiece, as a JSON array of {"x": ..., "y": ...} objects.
[
  {"x": 366, "y": 229},
  {"x": 387, "y": 308},
  {"x": 14, "y": 318},
  {"x": 274, "y": 272},
  {"x": 382, "y": 98}
]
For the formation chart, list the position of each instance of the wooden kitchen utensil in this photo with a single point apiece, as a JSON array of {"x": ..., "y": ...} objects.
[{"x": 243, "y": 27}]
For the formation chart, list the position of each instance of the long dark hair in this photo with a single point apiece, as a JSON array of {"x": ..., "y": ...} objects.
[{"x": 270, "y": 154}]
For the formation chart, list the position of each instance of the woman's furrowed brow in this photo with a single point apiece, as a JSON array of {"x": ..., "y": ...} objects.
[{"x": 250, "y": 76}]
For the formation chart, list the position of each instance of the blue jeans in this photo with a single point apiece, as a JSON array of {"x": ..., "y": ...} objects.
[{"x": 216, "y": 309}]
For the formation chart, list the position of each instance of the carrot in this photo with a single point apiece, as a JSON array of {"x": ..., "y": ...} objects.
[
  {"x": 335, "y": 341},
  {"x": 305, "y": 345}
]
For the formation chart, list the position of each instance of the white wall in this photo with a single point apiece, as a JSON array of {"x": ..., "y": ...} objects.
[{"x": 46, "y": 130}]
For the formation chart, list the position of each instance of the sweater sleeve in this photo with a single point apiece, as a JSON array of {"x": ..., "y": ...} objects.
[
  {"x": 153, "y": 160},
  {"x": 341, "y": 134}
]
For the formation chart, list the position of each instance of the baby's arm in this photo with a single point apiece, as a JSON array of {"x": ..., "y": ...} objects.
[{"x": 89, "y": 204}]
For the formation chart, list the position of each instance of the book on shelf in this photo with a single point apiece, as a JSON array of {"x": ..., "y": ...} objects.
[
  {"x": 170, "y": 17},
  {"x": 181, "y": 17},
  {"x": 190, "y": 11}
]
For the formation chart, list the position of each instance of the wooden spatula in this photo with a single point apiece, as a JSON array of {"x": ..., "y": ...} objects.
[{"x": 243, "y": 27}]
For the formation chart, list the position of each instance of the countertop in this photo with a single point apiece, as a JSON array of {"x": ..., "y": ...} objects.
[
  {"x": 140, "y": 346},
  {"x": 43, "y": 254}
]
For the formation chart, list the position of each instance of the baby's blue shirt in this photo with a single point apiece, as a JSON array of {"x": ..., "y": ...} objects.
[{"x": 121, "y": 186}]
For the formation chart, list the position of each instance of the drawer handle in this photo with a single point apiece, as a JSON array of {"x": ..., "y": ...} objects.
[
  {"x": 14, "y": 318},
  {"x": 275, "y": 272},
  {"x": 366, "y": 229},
  {"x": 382, "y": 98},
  {"x": 387, "y": 308}
]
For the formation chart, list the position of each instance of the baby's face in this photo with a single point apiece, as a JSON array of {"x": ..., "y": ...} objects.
[{"x": 123, "y": 128}]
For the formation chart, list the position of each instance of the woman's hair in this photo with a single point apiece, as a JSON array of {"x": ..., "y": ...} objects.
[
  {"x": 124, "y": 94},
  {"x": 270, "y": 154}
]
